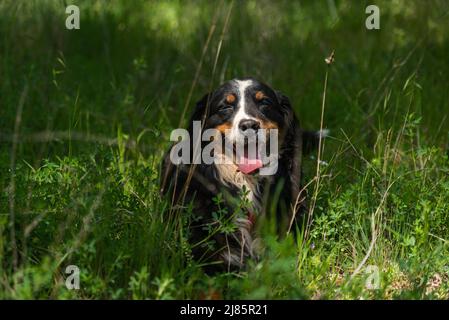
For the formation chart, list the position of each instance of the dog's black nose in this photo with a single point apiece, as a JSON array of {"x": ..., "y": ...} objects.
[{"x": 246, "y": 124}]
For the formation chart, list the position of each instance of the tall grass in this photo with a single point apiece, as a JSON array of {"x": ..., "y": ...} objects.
[{"x": 85, "y": 118}]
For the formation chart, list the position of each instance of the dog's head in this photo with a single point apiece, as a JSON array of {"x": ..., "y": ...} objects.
[{"x": 241, "y": 110}]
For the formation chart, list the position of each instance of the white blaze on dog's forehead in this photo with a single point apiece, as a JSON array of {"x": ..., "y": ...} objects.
[
  {"x": 242, "y": 86},
  {"x": 241, "y": 114}
]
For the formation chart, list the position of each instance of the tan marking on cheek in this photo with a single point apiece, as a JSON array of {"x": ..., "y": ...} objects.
[
  {"x": 223, "y": 127},
  {"x": 259, "y": 95},
  {"x": 269, "y": 125},
  {"x": 230, "y": 98}
]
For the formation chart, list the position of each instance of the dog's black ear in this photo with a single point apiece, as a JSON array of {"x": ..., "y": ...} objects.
[
  {"x": 291, "y": 151},
  {"x": 286, "y": 106},
  {"x": 201, "y": 108},
  {"x": 197, "y": 115}
]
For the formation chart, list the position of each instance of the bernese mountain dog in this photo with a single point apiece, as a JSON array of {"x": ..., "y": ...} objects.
[{"x": 227, "y": 197}]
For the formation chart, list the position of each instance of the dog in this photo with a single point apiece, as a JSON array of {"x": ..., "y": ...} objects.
[{"x": 217, "y": 190}]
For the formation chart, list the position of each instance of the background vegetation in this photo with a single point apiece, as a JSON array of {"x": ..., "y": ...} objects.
[{"x": 85, "y": 117}]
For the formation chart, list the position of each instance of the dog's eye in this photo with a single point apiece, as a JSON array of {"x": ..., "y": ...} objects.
[
  {"x": 265, "y": 102},
  {"x": 227, "y": 108},
  {"x": 262, "y": 99},
  {"x": 228, "y": 103}
]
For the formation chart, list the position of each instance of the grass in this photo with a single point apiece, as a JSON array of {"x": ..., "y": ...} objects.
[{"x": 85, "y": 118}]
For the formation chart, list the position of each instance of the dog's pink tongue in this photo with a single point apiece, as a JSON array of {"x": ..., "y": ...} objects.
[{"x": 249, "y": 165}]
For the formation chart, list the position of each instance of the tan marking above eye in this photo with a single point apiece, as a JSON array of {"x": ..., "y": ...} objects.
[
  {"x": 230, "y": 98},
  {"x": 259, "y": 95}
]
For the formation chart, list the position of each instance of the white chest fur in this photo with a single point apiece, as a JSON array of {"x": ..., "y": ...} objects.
[{"x": 229, "y": 174}]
